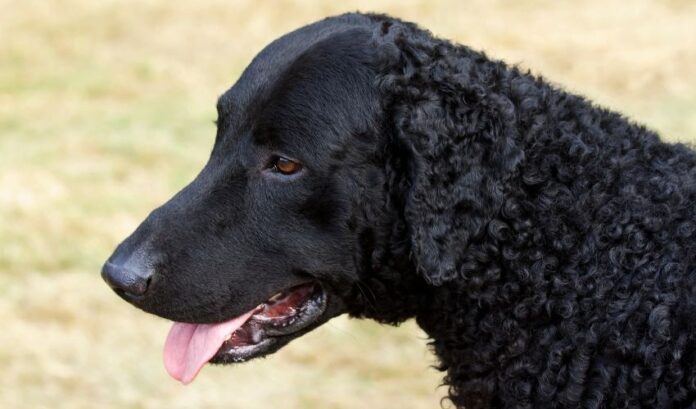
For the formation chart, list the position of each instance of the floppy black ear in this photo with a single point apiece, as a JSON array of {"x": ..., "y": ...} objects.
[{"x": 461, "y": 143}]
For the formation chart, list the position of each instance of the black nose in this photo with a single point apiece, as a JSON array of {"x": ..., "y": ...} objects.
[{"x": 126, "y": 281}]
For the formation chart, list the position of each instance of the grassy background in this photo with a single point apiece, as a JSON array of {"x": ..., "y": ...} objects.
[{"x": 106, "y": 109}]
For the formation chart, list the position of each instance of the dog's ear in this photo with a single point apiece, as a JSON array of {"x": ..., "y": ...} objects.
[{"x": 461, "y": 149}]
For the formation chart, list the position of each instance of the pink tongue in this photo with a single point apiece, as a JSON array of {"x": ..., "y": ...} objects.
[{"x": 190, "y": 346}]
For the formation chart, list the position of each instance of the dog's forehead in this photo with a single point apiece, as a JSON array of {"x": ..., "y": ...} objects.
[
  {"x": 310, "y": 97},
  {"x": 269, "y": 64}
]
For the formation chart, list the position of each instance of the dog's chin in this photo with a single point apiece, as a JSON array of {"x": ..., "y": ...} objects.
[{"x": 277, "y": 321}]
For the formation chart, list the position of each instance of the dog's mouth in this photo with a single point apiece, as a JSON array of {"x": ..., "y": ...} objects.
[{"x": 257, "y": 332}]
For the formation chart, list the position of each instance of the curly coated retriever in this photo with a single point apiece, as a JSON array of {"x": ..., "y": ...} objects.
[{"x": 362, "y": 166}]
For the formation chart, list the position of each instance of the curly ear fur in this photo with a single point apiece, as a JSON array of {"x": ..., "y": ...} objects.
[{"x": 462, "y": 148}]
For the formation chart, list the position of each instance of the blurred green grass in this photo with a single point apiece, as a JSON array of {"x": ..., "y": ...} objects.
[{"x": 106, "y": 109}]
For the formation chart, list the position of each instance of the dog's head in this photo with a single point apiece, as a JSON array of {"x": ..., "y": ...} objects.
[
  {"x": 349, "y": 154},
  {"x": 266, "y": 243}
]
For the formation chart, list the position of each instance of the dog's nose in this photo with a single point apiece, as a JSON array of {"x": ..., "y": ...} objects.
[{"x": 126, "y": 281}]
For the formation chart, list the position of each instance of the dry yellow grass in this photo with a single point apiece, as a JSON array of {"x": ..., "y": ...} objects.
[{"x": 106, "y": 109}]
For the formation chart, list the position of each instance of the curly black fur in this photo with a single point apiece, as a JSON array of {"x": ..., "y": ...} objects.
[
  {"x": 546, "y": 245},
  {"x": 557, "y": 236}
]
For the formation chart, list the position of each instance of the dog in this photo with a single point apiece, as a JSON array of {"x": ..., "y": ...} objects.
[{"x": 364, "y": 167}]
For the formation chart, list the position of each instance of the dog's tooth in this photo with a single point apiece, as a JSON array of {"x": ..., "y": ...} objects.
[
  {"x": 256, "y": 336},
  {"x": 229, "y": 336},
  {"x": 277, "y": 297}
]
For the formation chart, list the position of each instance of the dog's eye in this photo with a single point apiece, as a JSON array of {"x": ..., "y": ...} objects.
[{"x": 285, "y": 166}]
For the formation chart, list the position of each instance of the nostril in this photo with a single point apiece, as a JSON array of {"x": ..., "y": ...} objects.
[{"x": 126, "y": 281}]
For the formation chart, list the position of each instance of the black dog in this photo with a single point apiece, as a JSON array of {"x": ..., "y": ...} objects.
[{"x": 362, "y": 166}]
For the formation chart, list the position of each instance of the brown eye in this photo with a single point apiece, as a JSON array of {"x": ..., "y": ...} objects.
[{"x": 286, "y": 166}]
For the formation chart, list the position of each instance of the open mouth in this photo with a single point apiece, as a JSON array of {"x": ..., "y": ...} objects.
[{"x": 255, "y": 333}]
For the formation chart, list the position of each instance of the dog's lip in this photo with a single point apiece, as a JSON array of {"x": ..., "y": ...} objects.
[{"x": 301, "y": 306}]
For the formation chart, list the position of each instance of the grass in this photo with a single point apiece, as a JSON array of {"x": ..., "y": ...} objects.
[{"x": 106, "y": 109}]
